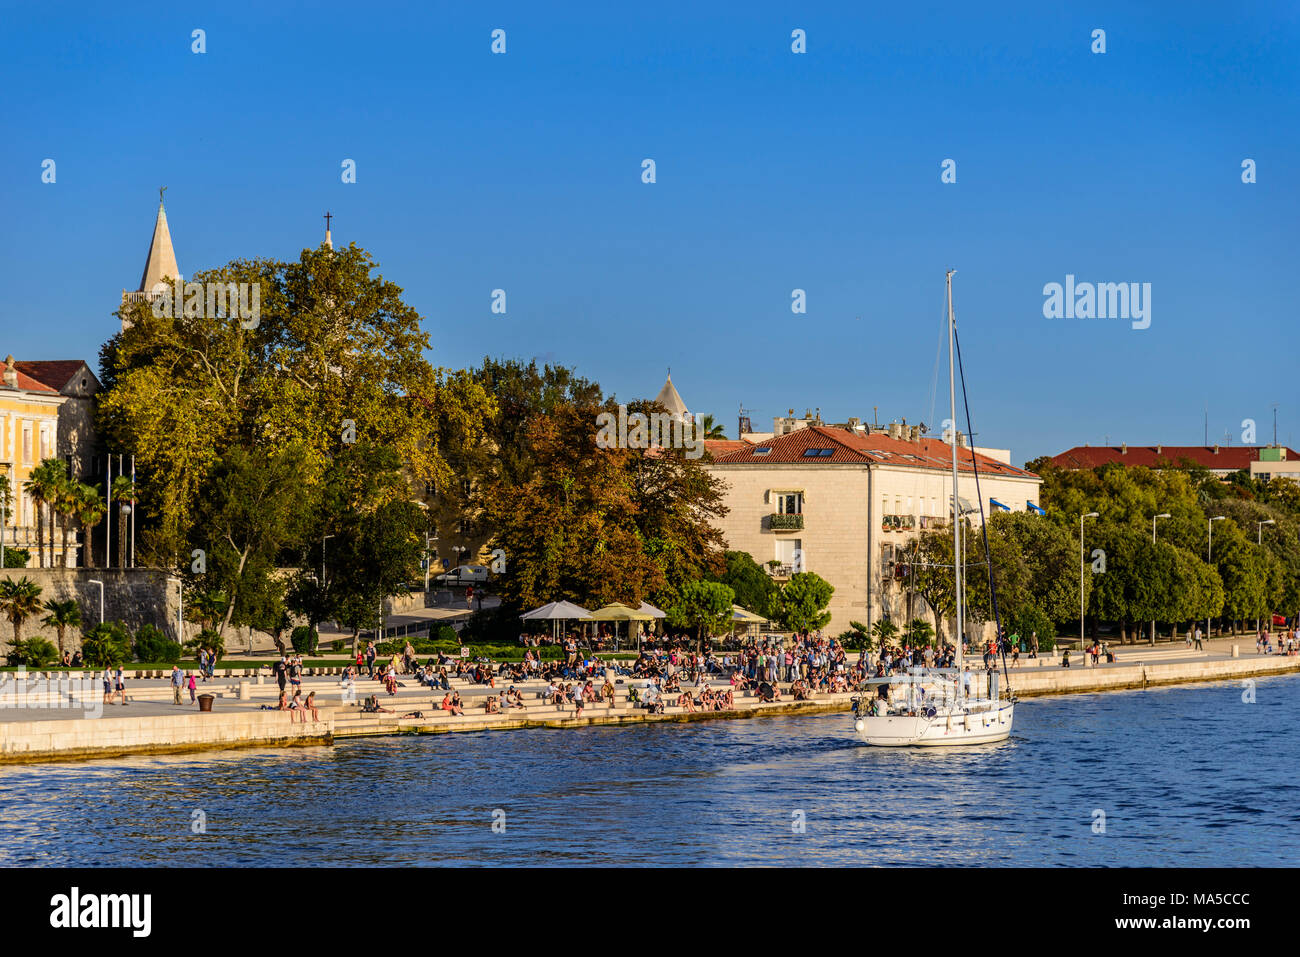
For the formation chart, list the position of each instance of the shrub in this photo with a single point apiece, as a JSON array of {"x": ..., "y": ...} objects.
[
  {"x": 446, "y": 633},
  {"x": 336, "y": 646},
  {"x": 152, "y": 645},
  {"x": 857, "y": 637},
  {"x": 1029, "y": 620},
  {"x": 17, "y": 557},
  {"x": 207, "y": 638},
  {"x": 304, "y": 640},
  {"x": 106, "y": 645},
  {"x": 33, "y": 653}
]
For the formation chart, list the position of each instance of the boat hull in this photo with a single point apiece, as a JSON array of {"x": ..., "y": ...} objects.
[{"x": 943, "y": 730}]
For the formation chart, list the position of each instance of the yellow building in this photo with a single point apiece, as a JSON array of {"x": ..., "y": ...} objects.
[{"x": 29, "y": 433}]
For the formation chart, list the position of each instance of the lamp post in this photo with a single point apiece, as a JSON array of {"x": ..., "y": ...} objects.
[
  {"x": 1209, "y": 553},
  {"x": 96, "y": 581},
  {"x": 1153, "y": 541},
  {"x": 1259, "y": 528},
  {"x": 323, "y": 540},
  {"x": 1081, "y": 566}
]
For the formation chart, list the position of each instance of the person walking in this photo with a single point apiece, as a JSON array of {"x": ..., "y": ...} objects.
[
  {"x": 177, "y": 679},
  {"x": 1199, "y": 646},
  {"x": 193, "y": 685},
  {"x": 281, "y": 671},
  {"x": 119, "y": 685}
]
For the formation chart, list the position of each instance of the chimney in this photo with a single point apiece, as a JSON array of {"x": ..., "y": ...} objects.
[
  {"x": 914, "y": 434},
  {"x": 1158, "y": 449},
  {"x": 1123, "y": 448},
  {"x": 895, "y": 430},
  {"x": 961, "y": 440},
  {"x": 1216, "y": 450},
  {"x": 11, "y": 374}
]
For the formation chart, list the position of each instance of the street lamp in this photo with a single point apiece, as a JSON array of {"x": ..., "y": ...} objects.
[
  {"x": 1209, "y": 552},
  {"x": 1153, "y": 541},
  {"x": 1081, "y": 518},
  {"x": 323, "y": 539},
  {"x": 96, "y": 581},
  {"x": 180, "y": 608},
  {"x": 1260, "y": 530}
]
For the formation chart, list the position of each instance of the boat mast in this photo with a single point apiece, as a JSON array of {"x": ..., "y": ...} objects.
[{"x": 956, "y": 501}]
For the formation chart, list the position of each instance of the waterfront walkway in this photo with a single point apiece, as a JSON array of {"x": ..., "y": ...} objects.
[{"x": 68, "y": 720}]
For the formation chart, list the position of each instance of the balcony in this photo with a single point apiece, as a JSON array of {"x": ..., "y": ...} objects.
[
  {"x": 785, "y": 522},
  {"x": 778, "y": 571},
  {"x": 898, "y": 523}
]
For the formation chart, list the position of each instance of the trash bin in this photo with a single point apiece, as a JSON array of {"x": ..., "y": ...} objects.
[{"x": 205, "y": 702}]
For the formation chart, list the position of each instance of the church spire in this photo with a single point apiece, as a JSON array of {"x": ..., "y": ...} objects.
[
  {"x": 329, "y": 240},
  {"x": 161, "y": 261}
]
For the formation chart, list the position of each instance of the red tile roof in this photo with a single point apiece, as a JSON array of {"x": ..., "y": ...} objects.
[
  {"x": 849, "y": 447},
  {"x": 27, "y": 382},
  {"x": 1233, "y": 458},
  {"x": 54, "y": 373},
  {"x": 717, "y": 447}
]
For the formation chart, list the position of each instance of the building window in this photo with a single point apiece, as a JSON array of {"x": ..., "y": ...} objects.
[
  {"x": 789, "y": 503},
  {"x": 27, "y": 443}
]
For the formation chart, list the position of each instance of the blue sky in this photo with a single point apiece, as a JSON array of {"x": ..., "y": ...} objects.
[{"x": 775, "y": 171}]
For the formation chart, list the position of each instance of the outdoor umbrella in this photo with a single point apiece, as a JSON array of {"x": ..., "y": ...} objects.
[
  {"x": 556, "y": 612},
  {"x": 743, "y": 616},
  {"x": 620, "y": 612}
]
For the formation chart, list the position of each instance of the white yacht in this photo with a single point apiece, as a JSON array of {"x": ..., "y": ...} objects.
[{"x": 937, "y": 707}]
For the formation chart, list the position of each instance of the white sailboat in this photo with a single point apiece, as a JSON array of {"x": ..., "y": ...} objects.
[{"x": 938, "y": 707}]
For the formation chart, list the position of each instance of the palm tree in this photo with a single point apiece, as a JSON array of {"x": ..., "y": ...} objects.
[
  {"x": 711, "y": 429},
  {"x": 90, "y": 510},
  {"x": 123, "y": 494},
  {"x": 62, "y": 615},
  {"x": 64, "y": 503},
  {"x": 19, "y": 600},
  {"x": 41, "y": 486}
]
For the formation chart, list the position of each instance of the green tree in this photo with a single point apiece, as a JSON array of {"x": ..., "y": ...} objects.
[
  {"x": 885, "y": 633},
  {"x": 248, "y": 511},
  {"x": 335, "y": 354},
  {"x": 62, "y": 616},
  {"x": 705, "y": 607},
  {"x": 43, "y": 486},
  {"x": 89, "y": 508},
  {"x": 918, "y": 632},
  {"x": 20, "y": 599},
  {"x": 123, "y": 500},
  {"x": 712, "y": 430},
  {"x": 754, "y": 588},
  {"x": 106, "y": 645},
  {"x": 802, "y": 603}
]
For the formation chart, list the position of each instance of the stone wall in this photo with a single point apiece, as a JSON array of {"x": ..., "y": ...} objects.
[{"x": 133, "y": 596}]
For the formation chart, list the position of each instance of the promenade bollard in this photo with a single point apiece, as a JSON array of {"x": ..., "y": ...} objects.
[
  {"x": 1236, "y": 651},
  {"x": 205, "y": 702},
  {"x": 245, "y": 691}
]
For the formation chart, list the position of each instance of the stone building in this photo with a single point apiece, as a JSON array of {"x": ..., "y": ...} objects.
[
  {"x": 78, "y": 442},
  {"x": 843, "y": 501},
  {"x": 29, "y": 434}
]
